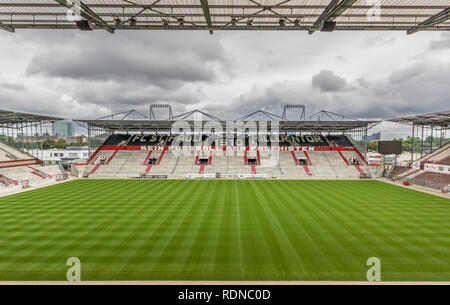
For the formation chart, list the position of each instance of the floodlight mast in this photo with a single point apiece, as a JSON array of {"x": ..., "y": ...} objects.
[
  {"x": 296, "y": 108},
  {"x": 160, "y": 106}
]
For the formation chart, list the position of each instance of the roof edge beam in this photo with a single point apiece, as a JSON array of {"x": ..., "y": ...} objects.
[
  {"x": 88, "y": 14},
  {"x": 436, "y": 19},
  {"x": 333, "y": 10},
  {"x": 7, "y": 28},
  {"x": 206, "y": 12}
]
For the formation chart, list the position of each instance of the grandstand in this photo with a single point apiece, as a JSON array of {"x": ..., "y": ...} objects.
[
  {"x": 432, "y": 170},
  {"x": 18, "y": 168},
  {"x": 140, "y": 158},
  {"x": 309, "y": 149},
  {"x": 150, "y": 148}
]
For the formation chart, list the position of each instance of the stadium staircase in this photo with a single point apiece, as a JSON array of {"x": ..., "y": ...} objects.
[
  {"x": 39, "y": 173},
  {"x": 297, "y": 164},
  {"x": 348, "y": 155},
  {"x": 111, "y": 157}
]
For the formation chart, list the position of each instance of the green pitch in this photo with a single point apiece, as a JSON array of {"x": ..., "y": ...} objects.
[{"x": 224, "y": 230}]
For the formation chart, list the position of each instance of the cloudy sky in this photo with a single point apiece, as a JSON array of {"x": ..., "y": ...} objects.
[{"x": 372, "y": 75}]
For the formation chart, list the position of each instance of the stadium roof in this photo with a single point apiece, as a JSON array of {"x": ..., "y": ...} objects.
[
  {"x": 430, "y": 119},
  {"x": 111, "y": 15},
  {"x": 284, "y": 126},
  {"x": 11, "y": 117}
]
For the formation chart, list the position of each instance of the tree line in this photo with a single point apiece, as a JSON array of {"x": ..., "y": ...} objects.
[{"x": 40, "y": 144}]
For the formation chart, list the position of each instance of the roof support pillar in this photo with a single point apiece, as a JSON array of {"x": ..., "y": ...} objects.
[
  {"x": 434, "y": 20},
  {"x": 333, "y": 10},
  {"x": 206, "y": 12}
]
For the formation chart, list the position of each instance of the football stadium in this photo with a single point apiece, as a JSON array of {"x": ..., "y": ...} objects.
[
  {"x": 192, "y": 199},
  {"x": 294, "y": 196}
]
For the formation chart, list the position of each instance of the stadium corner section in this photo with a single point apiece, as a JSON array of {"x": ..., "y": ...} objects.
[{"x": 20, "y": 171}]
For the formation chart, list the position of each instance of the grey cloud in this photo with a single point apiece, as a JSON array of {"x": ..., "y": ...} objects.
[
  {"x": 12, "y": 86},
  {"x": 147, "y": 59},
  {"x": 363, "y": 82},
  {"x": 416, "y": 71},
  {"x": 95, "y": 74},
  {"x": 443, "y": 43},
  {"x": 88, "y": 75},
  {"x": 328, "y": 81},
  {"x": 84, "y": 99},
  {"x": 119, "y": 97},
  {"x": 36, "y": 100},
  {"x": 271, "y": 98},
  {"x": 373, "y": 41},
  {"x": 420, "y": 88}
]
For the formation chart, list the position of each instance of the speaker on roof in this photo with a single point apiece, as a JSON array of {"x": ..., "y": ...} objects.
[
  {"x": 85, "y": 25},
  {"x": 327, "y": 26}
]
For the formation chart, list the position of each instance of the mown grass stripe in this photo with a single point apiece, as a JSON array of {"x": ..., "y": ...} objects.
[{"x": 224, "y": 230}]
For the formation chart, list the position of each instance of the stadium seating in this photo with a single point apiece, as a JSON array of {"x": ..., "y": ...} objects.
[
  {"x": 439, "y": 154},
  {"x": 398, "y": 170},
  {"x": 132, "y": 156},
  {"x": 20, "y": 170},
  {"x": 8, "y": 153},
  {"x": 443, "y": 154},
  {"x": 424, "y": 176},
  {"x": 28, "y": 176},
  {"x": 445, "y": 161},
  {"x": 4, "y": 156},
  {"x": 431, "y": 180},
  {"x": 339, "y": 141}
]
